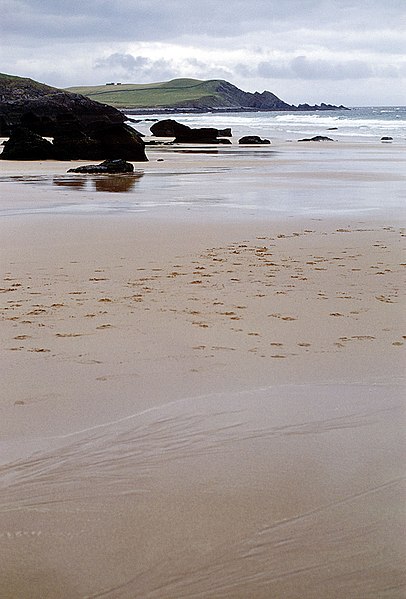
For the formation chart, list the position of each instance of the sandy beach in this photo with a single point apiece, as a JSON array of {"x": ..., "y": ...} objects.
[{"x": 202, "y": 401}]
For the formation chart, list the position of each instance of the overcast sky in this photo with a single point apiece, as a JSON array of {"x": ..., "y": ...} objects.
[{"x": 338, "y": 51}]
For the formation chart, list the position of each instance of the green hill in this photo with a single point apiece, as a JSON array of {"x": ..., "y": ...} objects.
[
  {"x": 17, "y": 88},
  {"x": 181, "y": 93},
  {"x": 177, "y": 92}
]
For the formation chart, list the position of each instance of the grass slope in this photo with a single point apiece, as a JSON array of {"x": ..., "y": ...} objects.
[
  {"x": 170, "y": 93},
  {"x": 14, "y": 88}
]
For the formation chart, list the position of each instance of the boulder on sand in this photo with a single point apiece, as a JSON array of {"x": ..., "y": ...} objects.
[
  {"x": 108, "y": 166},
  {"x": 105, "y": 142},
  {"x": 120, "y": 140},
  {"x": 108, "y": 142},
  {"x": 253, "y": 139},
  {"x": 23, "y": 144},
  {"x": 184, "y": 134},
  {"x": 317, "y": 138}
]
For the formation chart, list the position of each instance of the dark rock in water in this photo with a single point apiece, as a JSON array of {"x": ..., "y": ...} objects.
[
  {"x": 108, "y": 166},
  {"x": 185, "y": 134},
  {"x": 317, "y": 138},
  {"x": 204, "y": 135},
  {"x": 322, "y": 106},
  {"x": 253, "y": 139},
  {"x": 165, "y": 128},
  {"x": 386, "y": 138},
  {"x": 332, "y": 128},
  {"x": 26, "y": 145}
]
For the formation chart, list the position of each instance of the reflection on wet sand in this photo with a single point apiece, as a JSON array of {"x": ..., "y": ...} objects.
[
  {"x": 79, "y": 183},
  {"x": 115, "y": 183},
  {"x": 106, "y": 183}
]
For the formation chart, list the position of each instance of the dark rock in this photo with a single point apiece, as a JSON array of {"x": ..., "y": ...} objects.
[
  {"x": 317, "y": 138},
  {"x": 108, "y": 166},
  {"x": 56, "y": 113},
  {"x": 117, "y": 140},
  {"x": 120, "y": 140},
  {"x": 166, "y": 128},
  {"x": 332, "y": 128},
  {"x": 204, "y": 135},
  {"x": 316, "y": 107},
  {"x": 386, "y": 138},
  {"x": 185, "y": 134},
  {"x": 107, "y": 142},
  {"x": 253, "y": 139},
  {"x": 49, "y": 111},
  {"x": 26, "y": 145},
  {"x": 76, "y": 145}
]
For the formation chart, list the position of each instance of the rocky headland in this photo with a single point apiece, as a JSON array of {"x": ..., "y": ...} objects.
[{"x": 192, "y": 95}]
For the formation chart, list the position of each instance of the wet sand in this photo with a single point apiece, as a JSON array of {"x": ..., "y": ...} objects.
[{"x": 199, "y": 407}]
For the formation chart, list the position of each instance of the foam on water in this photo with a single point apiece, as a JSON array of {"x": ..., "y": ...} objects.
[{"x": 366, "y": 122}]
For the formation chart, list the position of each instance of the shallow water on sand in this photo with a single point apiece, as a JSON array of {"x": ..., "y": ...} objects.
[
  {"x": 286, "y": 491},
  {"x": 317, "y": 179}
]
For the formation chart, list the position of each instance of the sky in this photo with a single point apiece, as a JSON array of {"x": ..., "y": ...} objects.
[{"x": 350, "y": 52}]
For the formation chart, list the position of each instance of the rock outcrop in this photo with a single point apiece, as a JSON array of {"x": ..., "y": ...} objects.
[
  {"x": 23, "y": 144},
  {"x": 105, "y": 142},
  {"x": 184, "y": 134},
  {"x": 253, "y": 140},
  {"x": 317, "y": 138},
  {"x": 108, "y": 166},
  {"x": 80, "y": 127}
]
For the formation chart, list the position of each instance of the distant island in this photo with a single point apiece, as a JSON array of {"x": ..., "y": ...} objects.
[{"x": 178, "y": 95}]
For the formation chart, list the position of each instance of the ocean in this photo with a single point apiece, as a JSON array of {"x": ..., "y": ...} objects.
[{"x": 366, "y": 123}]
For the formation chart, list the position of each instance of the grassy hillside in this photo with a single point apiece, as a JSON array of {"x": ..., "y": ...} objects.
[
  {"x": 15, "y": 88},
  {"x": 170, "y": 93}
]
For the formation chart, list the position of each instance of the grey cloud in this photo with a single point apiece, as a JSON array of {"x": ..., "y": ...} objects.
[
  {"x": 305, "y": 68},
  {"x": 156, "y": 20},
  {"x": 126, "y": 62},
  {"x": 135, "y": 67},
  {"x": 323, "y": 69},
  {"x": 141, "y": 68}
]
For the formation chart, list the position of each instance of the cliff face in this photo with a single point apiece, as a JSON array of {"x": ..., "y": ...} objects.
[
  {"x": 228, "y": 96},
  {"x": 259, "y": 101},
  {"x": 49, "y": 111}
]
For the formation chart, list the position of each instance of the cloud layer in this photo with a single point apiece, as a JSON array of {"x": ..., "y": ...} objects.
[{"x": 340, "y": 51}]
